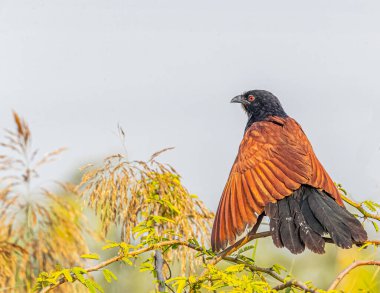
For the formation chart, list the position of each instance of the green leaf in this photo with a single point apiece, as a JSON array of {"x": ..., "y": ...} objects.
[
  {"x": 376, "y": 204},
  {"x": 89, "y": 286},
  {"x": 181, "y": 283},
  {"x": 235, "y": 268},
  {"x": 277, "y": 268},
  {"x": 127, "y": 261},
  {"x": 171, "y": 206},
  {"x": 375, "y": 225},
  {"x": 341, "y": 188},
  {"x": 192, "y": 279},
  {"x": 125, "y": 247},
  {"x": 90, "y": 256},
  {"x": 245, "y": 249},
  {"x": 111, "y": 245},
  {"x": 255, "y": 249},
  {"x": 146, "y": 266},
  {"x": 160, "y": 219},
  {"x": 108, "y": 275},
  {"x": 93, "y": 286},
  {"x": 67, "y": 274},
  {"x": 181, "y": 286},
  {"x": 370, "y": 205},
  {"x": 194, "y": 241},
  {"x": 79, "y": 272},
  {"x": 364, "y": 246}
]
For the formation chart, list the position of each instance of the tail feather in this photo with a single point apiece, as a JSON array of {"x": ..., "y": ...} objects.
[
  {"x": 289, "y": 231},
  {"x": 328, "y": 218},
  {"x": 312, "y": 221},
  {"x": 300, "y": 221},
  {"x": 311, "y": 239},
  {"x": 271, "y": 210},
  {"x": 358, "y": 234}
]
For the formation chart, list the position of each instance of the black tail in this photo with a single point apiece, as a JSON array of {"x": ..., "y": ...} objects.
[{"x": 300, "y": 221}]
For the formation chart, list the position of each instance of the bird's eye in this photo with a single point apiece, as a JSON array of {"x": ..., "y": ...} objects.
[{"x": 251, "y": 98}]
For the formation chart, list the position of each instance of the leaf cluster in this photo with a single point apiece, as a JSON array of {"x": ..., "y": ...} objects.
[{"x": 148, "y": 201}]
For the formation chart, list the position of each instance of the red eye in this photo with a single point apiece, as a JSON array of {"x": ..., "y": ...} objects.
[{"x": 251, "y": 98}]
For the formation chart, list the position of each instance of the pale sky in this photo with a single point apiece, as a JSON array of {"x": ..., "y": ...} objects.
[{"x": 166, "y": 71}]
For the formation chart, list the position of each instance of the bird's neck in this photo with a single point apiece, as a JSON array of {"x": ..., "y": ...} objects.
[{"x": 258, "y": 116}]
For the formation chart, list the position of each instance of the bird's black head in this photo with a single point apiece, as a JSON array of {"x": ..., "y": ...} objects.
[{"x": 260, "y": 104}]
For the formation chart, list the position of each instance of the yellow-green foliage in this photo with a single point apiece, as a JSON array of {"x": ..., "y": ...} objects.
[
  {"x": 38, "y": 228},
  {"x": 148, "y": 200}
]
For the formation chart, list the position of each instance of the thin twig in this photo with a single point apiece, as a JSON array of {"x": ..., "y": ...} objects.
[
  {"x": 360, "y": 208},
  {"x": 350, "y": 268},
  {"x": 131, "y": 254},
  {"x": 283, "y": 286},
  {"x": 372, "y": 242},
  {"x": 270, "y": 272},
  {"x": 239, "y": 244},
  {"x": 250, "y": 236}
]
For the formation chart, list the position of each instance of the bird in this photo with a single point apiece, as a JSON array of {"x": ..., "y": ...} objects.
[{"x": 277, "y": 174}]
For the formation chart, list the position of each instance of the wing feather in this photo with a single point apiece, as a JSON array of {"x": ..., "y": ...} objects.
[
  {"x": 243, "y": 206},
  {"x": 286, "y": 169},
  {"x": 282, "y": 183},
  {"x": 236, "y": 213},
  {"x": 254, "y": 191},
  {"x": 249, "y": 196},
  {"x": 228, "y": 218},
  {"x": 270, "y": 182},
  {"x": 262, "y": 191}
]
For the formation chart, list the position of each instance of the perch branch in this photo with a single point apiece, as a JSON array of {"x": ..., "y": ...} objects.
[
  {"x": 156, "y": 246},
  {"x": 131, "y": 254},
  {"x": 223, "y": 255}
]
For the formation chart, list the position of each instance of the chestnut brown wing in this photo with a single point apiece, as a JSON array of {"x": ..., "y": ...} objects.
[{"x": 275, "y": 158}]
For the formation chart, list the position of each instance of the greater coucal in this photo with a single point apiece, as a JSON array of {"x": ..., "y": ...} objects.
[{"x": 277, "y": 174}]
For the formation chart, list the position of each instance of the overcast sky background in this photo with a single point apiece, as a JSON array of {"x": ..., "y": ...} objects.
[{"x": 166, "y": 71}]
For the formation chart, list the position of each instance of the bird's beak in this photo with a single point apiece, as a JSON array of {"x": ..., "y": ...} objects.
[{"x": 239, "y": 99}]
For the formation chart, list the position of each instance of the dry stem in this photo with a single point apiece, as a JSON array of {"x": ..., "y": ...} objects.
[{"x": 350, "y": 268}]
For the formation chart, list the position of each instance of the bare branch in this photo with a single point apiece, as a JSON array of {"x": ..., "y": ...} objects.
[
  {"x": 283, "y": 286},
  {"x": 350, "y": 268},
  {"x": 159, "y": 265}
]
